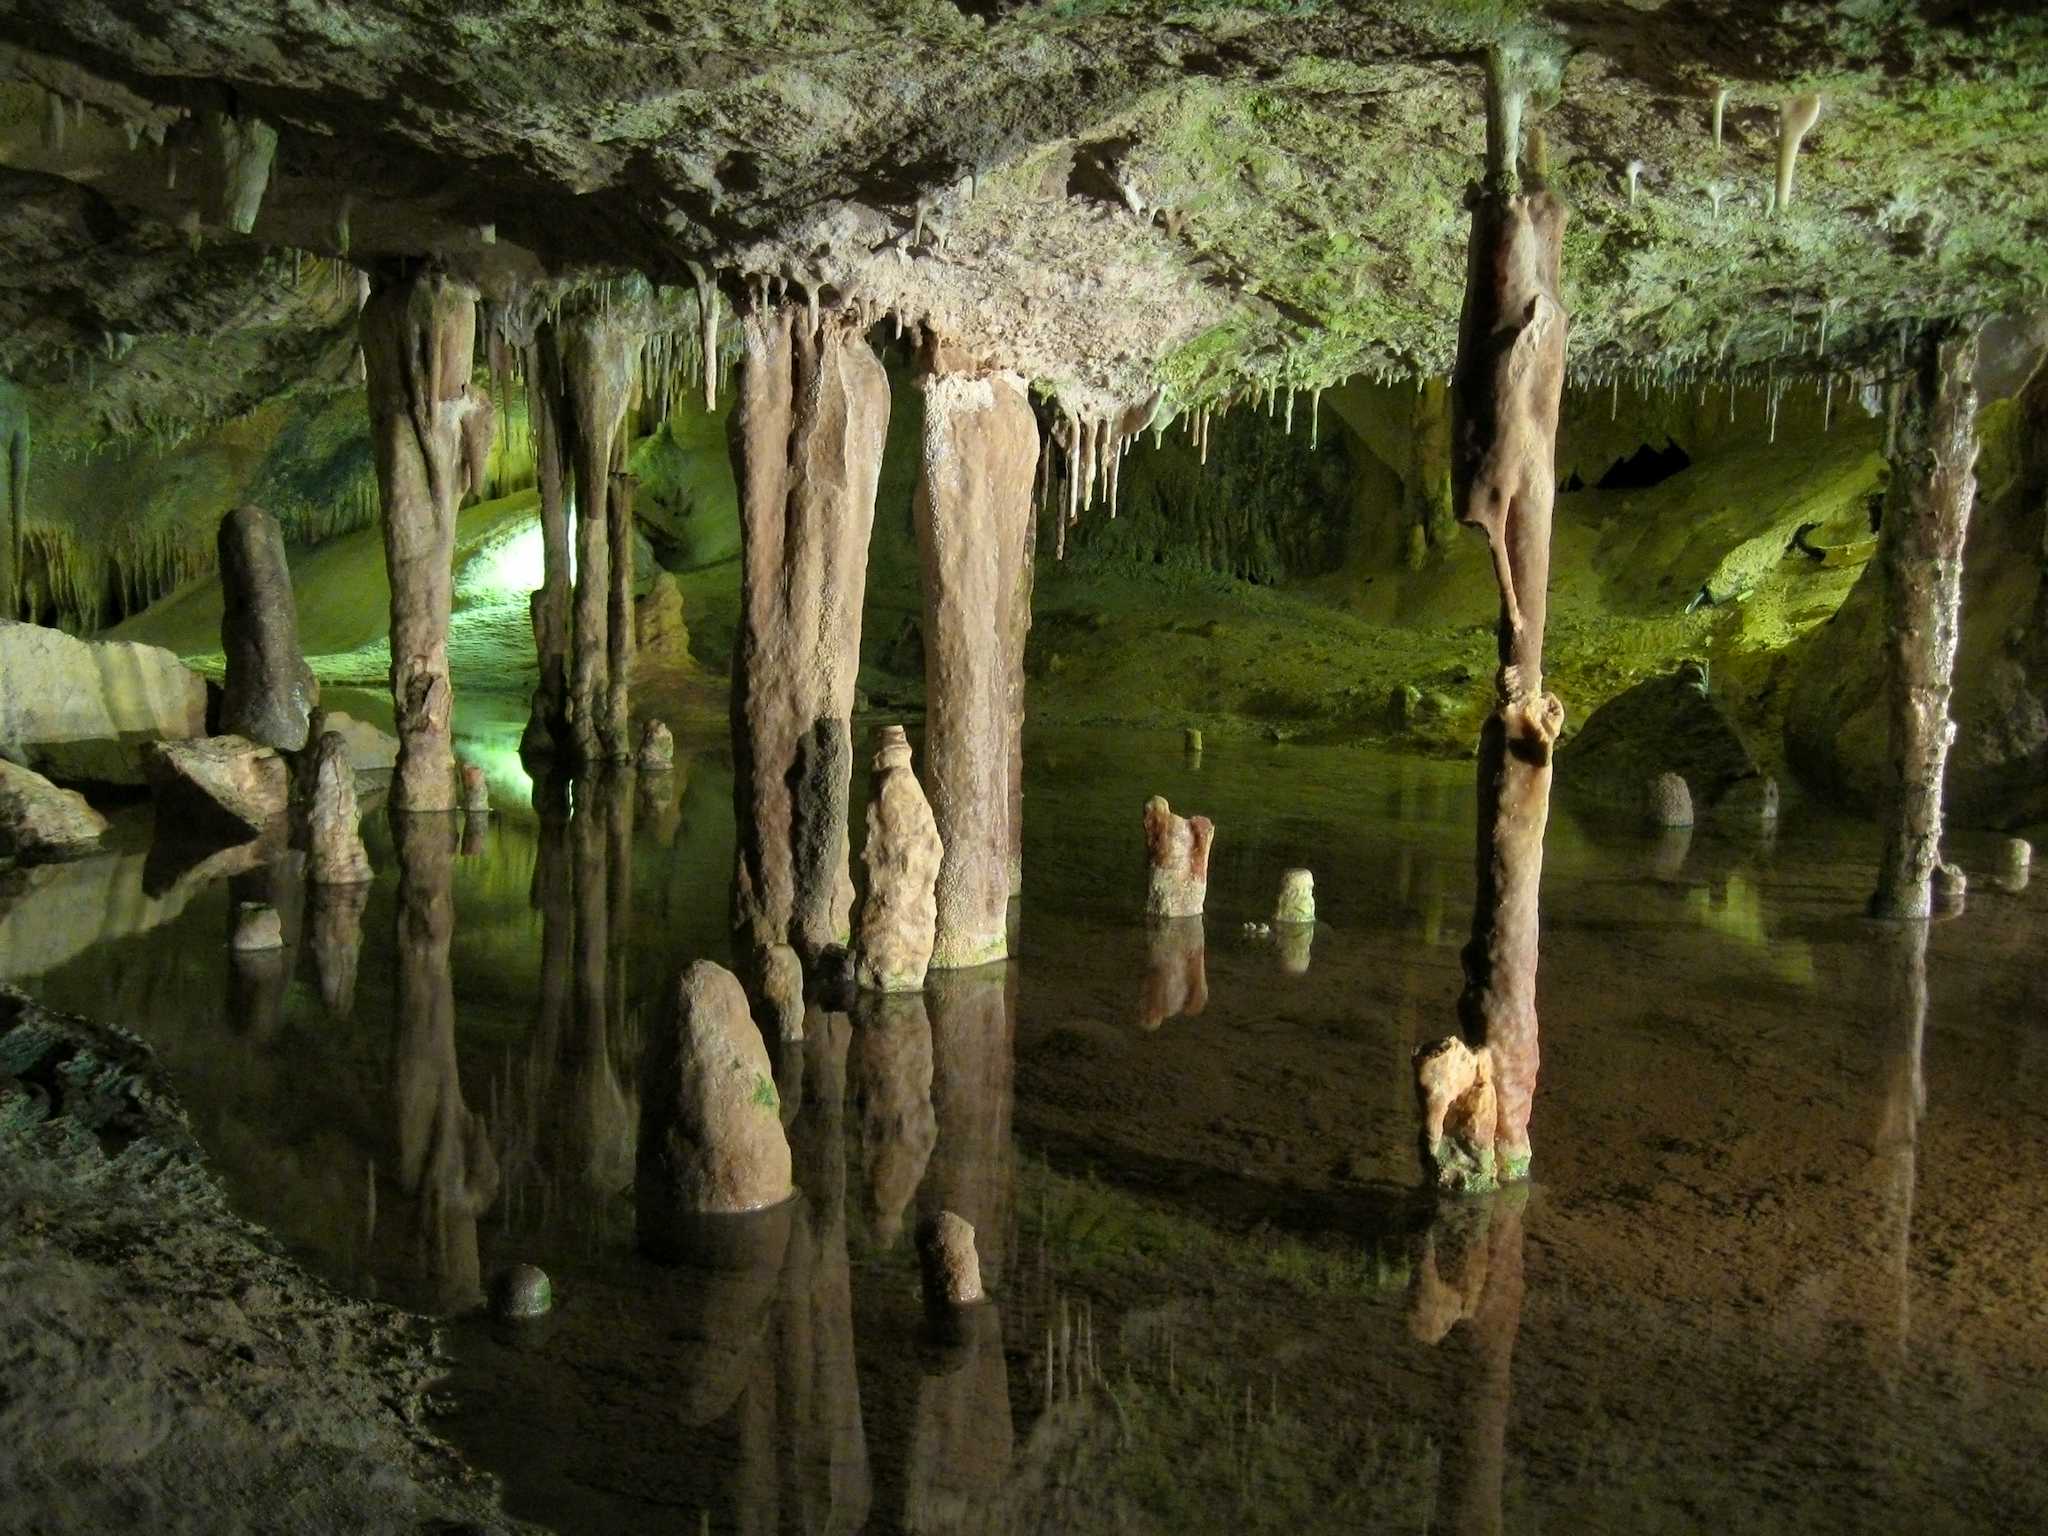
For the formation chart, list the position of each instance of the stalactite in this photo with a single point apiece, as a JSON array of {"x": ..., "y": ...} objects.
[
  {"x": 241, "y": 151},
  {"x": 1795, "y": 119}
]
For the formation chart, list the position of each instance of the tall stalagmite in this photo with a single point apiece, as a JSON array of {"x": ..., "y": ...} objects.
[
  {"x": 269, "y": 692},
  {"x": 1015, "y": 620},
  {"x": 1504, "y": 401},
  {"x": 1920, "y": 553},
  {"x": 554, "y": 440},
  {"x": 600, "y": 356},
  {"x": 807, "y": 452},
  {"x": 973, "y": 517},
  {"x": 431, "y": 431}
]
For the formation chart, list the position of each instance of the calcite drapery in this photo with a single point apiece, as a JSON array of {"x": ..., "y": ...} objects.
[
  {"x": 1505, "y": 390},
  {"x": 898, "y": 916},
  {"x": 973, "y": 516},
  {"x": 806, "y": 440},
  {"x": 269, "y": 692},
  {"x": 431, "y": 430},
  {"x": 1920, "y": 553}
]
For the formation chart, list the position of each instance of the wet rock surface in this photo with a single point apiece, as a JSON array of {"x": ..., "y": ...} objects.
[
  {"x": 225, "y": 786},
  {"x": 40, "y": 822},
  {"x": 84, "y": 710}
]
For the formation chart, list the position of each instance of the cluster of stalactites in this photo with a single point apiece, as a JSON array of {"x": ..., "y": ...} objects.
[{"x": 1091, "y": 452}]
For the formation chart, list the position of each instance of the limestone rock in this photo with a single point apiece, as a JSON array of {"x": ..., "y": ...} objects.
[
  {"x": 335, "y": 852},
  {"x": 1667, "y": 802},
  {"x": 521, "y": 1290},
  {"x": 84, "y": 710},
  {"x": 657, "y": 752},
  {"x": 270, "y": 692},
  {"x": 2016, "y": 856},
  {"x": 257, "y": 926},
  {"x": 1177, "y": 853},
  {"x": 950, "y": 1266},
  {"x": 217, "y": 785},
  {"x": 658, "y": 628},
  {"x": 899, "y": 916},
  {"x": 781, "y": 987},
  {"x": 1664, "y": 725},
  {"x": 476, "y": 789},
  {"x": 39, "y": 821},
  {"x": 369, "y": 749},
  {"x": 711, "y": 1136},
  {"x": 1297, "y": 903},
  {"x": 1460, "y": 1111}
]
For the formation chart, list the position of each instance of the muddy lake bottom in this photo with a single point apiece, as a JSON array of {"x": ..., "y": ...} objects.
[{"x": 1778, "y": 1269}]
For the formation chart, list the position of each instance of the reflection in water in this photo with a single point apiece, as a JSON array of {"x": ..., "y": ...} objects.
[
  {"x": 334, "y": 941},
  {"x": 1176, "y": 971},
  {"x": 259, "y": 978},
  {"x": 1895, "y": 1159},
  {"x": 1294, "y": 942},
  {"x": 892, "y": 1055},
  {"x": 1471, "y": 1274},
  {"x": 447, "y": 1175}
]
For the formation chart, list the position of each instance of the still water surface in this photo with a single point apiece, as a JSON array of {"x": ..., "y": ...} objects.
[{"x": 1781, "y": 1267}]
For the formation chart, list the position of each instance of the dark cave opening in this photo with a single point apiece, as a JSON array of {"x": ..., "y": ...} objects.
[{"x": 1649, "y": 465}]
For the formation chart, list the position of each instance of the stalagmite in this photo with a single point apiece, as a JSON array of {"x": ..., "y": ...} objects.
[
  {"x": 1177, "y": 860},
  {"x": 948, "y": 1263},
  {"x": 973, "y": 511},
  {"x": 554, "y": 433},
  {"x": 902, "y": 854},
  {"x": 1504, "y": 397},
  {"x": 1297, "y": 900},
  {"x": 335, "y": 854},
  {"x": 269, "y": 692},
  {"x": 618, "y": 713},
  {"x": 430, "y": 429},
  {"x": 806, "y": 437},
  {"x": 1920, "y": 554},
  {"x": 600, "y": 355}
]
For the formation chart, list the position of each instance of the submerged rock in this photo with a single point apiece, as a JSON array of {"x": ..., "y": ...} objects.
[
  {"x": 1664, "y": 725},
  {"x": 1177, "y": 856},
  {"x": 658, "y": 629},
  {"x": 711, "y": 1136},
  {"x": 899, "y": 917},
  {"x": 948, "y": 1262},
  {"x": 370, "y": 750},
  {"x": 219, "y": 785},
  {"x": 85, "y": 710},
  {"x": 1667, "y": 802},
  {"x": 39, "y": 821},
  {"x": 270, "y": 692}
]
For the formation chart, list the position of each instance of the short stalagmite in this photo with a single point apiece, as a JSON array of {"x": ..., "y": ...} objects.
[
  {"x": 1177, "y": 860},
  {"x": 335, "y": 853},
  {"x": 1667, "y": 802},
  {"x": 711, "y": 1136},
  {"x": 1505, "y": 390},
  {"x": 1297, "y": 900},
  {"x": 257, "y": 926},
  {"x": 431, "y": 431},
  {"x": 1920, "y": 556},
  {"x": 947, "y": 1260},
  {"x": 973, "y": 511},
  {"x": 657, "y": 750},
  {"x": 806, "y": 440},
  {"x": 2016, "y": 857},
  {"x": 269, "y": 693},
  {"x": 476, "y": 789},
  {"x": 899, "y": 915}
]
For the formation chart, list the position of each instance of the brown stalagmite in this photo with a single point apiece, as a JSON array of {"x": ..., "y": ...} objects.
[
  {"x": 973, "y": 512},
  {"x": 600, "y": 354},
  {"x": 619, "y": 618},
  {"x": 554, "y": 436},
  {"x": 806, "y": 437},
  {"x": 1920, "y": 554},
  {"x": 430, "y": 430},
  {"x": 1504, "y": 401}
]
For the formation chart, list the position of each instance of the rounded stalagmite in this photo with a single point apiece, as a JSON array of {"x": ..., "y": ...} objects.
[
  {"x": 657, "y": 752},
  {"x": 335, "y": 853},
  {"x": 950, "y": 1265},
  {"x": 898, "y": 921},
  {"x": 521, "y": 1291},
  {"x": 476, "y": 790},
  {"x": 257, "y": 926},
  {"x": 1668, "y": 802},
  {"x": 1297, "y": 903},
  {"x": 2015, "y": 859}
]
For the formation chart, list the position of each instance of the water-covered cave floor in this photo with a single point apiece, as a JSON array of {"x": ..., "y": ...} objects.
[{"x": 1776, "y": 1271}]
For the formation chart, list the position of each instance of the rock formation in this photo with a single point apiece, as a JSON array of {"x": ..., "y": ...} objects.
[
  {"x": 600, "y": 355},
  {"x": 39, "y": 821},
  {"x": 1504, "y": 401},
  {"x": 269, "y": 693},
  {"x": 1663, "y": 724},
  {"x": 1176, "y": 981},
  {"x": 973, "y": 511},
  {"x": 1920, "y": 547},
  {"x": 225, "y": 787},
  {"x": 335, "y": 852},
  {"x": 1667, "y": 802},
  {"x": 657, "y": 751},
  {"x": 2016, "y": 855},
  {"x": 658, "y": 627},
  {"x": 430, "y": 429},
  {"x": 947, "y": 1262},
  {"x": 1177, "y": 860},
  {"x": 257, "y": 926},
  {"x": 1454, "y": 1087},
  {"x": 334, "y": 942},
  {"x": 903, "y": 855},
  {"x": 807, "y": 452},
  {"x": 711, "y": 1136},
  {"x": 1297, "y": 900},
  {"x": 891, "y": 1077},
  {"x": 85, "y": 711},
  {"x": 476, "y": 789}
]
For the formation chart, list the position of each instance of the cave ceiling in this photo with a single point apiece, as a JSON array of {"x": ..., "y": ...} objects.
[{"x": 1102, "y": 195}]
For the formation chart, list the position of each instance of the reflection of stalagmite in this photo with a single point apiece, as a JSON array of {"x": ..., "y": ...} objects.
[
  {"x": 431, "y": 430},
  {"x": 444, "y": 1164},
  {"x": 807, "y": 453},
  {"x": 1295, "y": 944},
  {"x": 334, "y": 940},
  {"x": 1176, "y": 971},
  {"x": 973, "y": 1166},
  {"x": 1471, "y": 1273},
  {"x": 1920, "y": 553},
  {"x": 973, "y": 510},
  {"x": 1895, "y": 1159},
  {"x": 1504, "y": 397},
  {"x": 892, "y": 1075}
]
